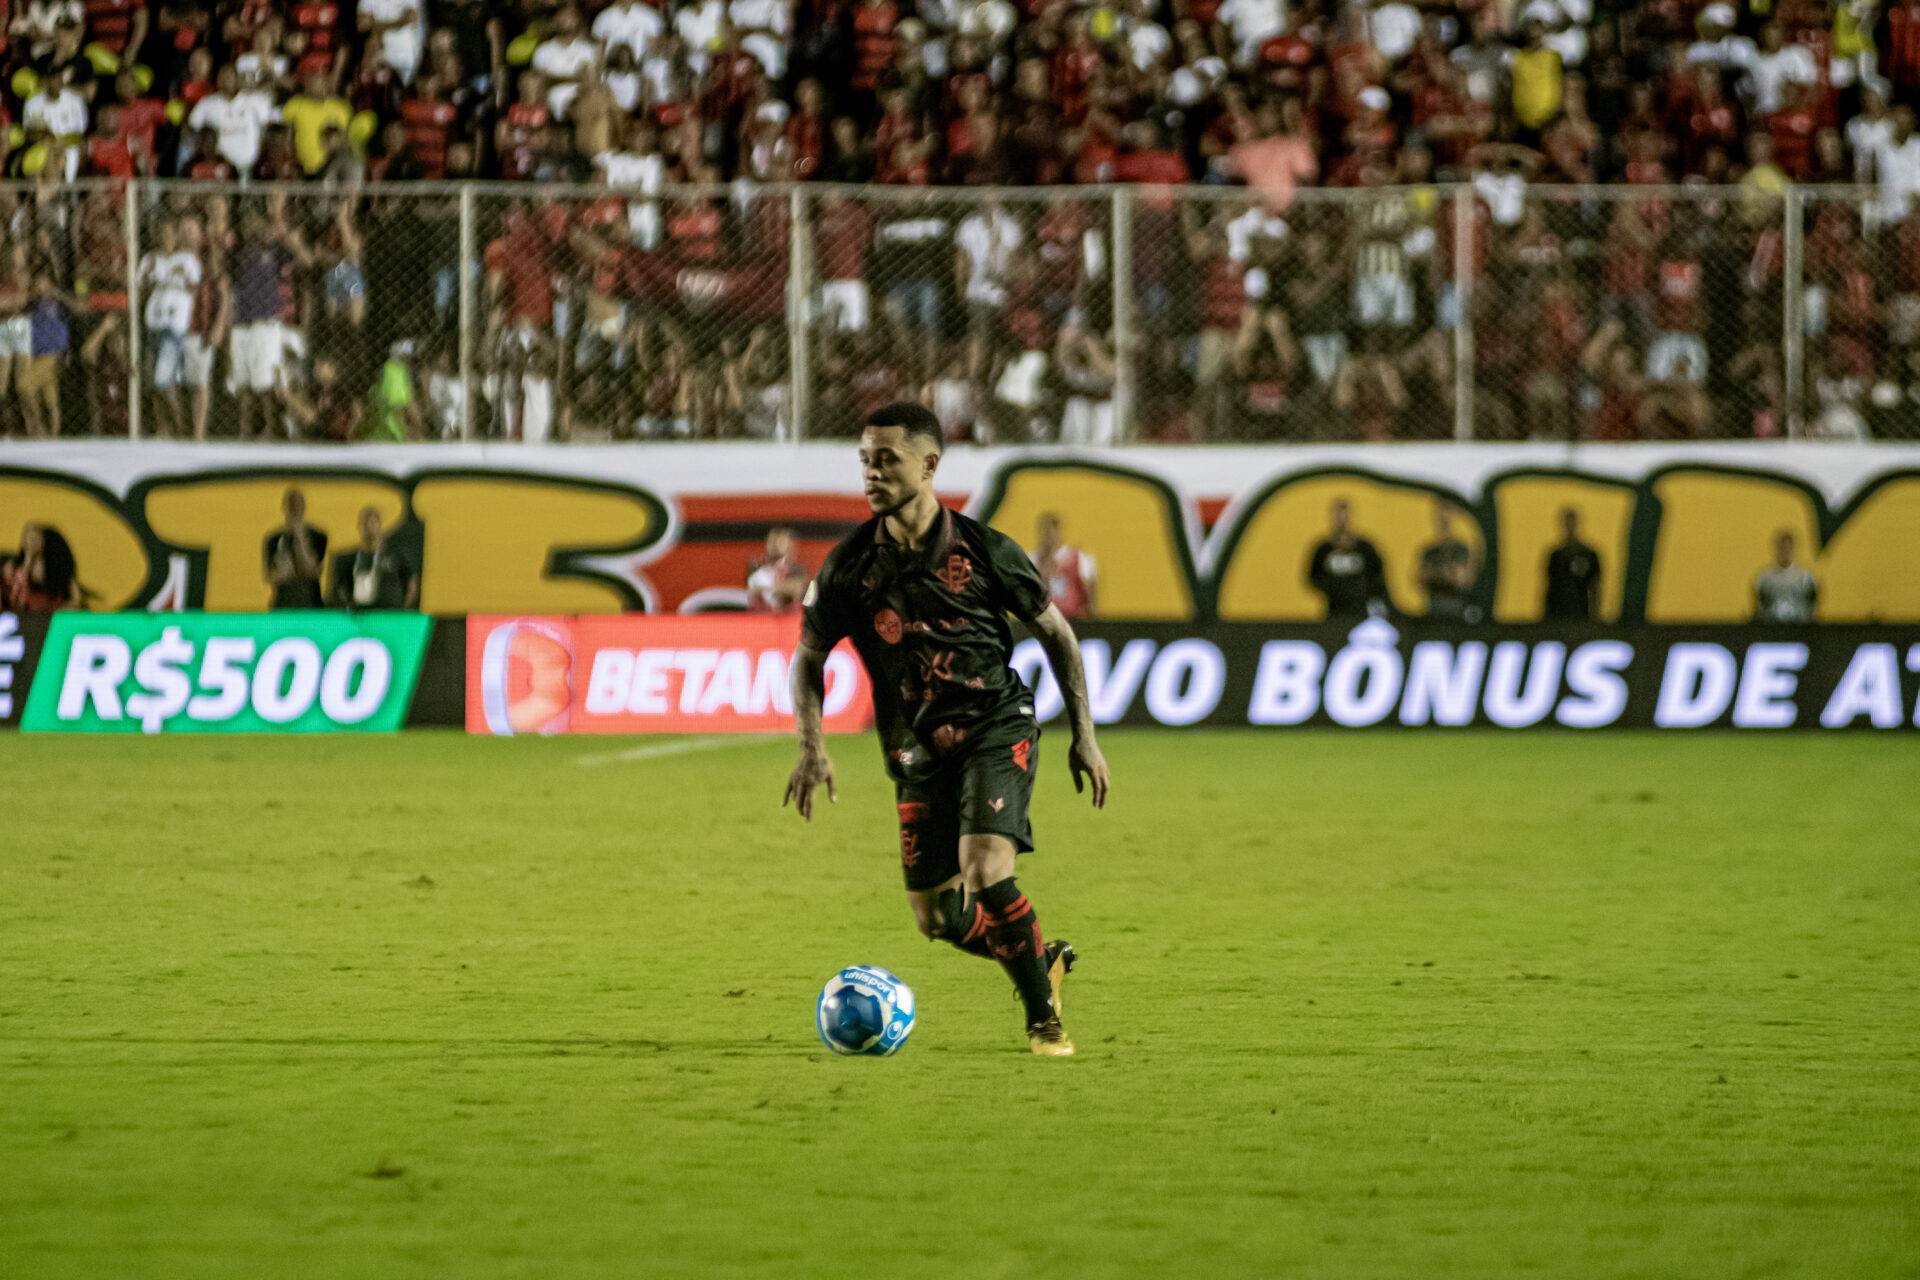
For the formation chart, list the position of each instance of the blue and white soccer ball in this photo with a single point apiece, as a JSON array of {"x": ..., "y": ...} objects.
[{"x": 865, "y": 1010}]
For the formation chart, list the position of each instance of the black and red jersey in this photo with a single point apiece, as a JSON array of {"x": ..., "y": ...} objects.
[{"x": 930, "y": 625}]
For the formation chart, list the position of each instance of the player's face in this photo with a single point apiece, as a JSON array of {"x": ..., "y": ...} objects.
[{"x": 894, "y": 469}]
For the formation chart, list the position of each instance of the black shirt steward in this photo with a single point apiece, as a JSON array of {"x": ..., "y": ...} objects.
[{"x": 931, "y": 627}]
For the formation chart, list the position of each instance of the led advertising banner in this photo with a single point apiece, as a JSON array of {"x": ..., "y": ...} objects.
[
  {"x": 293, "y": 672},
  {"x": 21, "y": 635},
  {"x": 634, "y": 673},
  {"x": 1378, "y": 675}
]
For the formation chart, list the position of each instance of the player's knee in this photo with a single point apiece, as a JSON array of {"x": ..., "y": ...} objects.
[{"x": 928, "y": 920}]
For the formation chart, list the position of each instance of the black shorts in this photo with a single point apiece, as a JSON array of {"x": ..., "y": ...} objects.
[{"x": 984, "y": 792}]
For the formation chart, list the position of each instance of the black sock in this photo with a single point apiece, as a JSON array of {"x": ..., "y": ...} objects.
[
  {"x": 963, "y": 922},
  {"x": 1013, "y": 932}
]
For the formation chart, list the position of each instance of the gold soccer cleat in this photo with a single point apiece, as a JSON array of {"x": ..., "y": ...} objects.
[
  {"x": 1060, "y": 962},
  {"x": 1049, "y": 1040}
]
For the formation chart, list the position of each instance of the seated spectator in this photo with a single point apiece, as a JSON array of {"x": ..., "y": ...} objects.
[{"x": 39, "y": 577}]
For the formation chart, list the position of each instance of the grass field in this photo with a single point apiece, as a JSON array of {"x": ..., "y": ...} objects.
[{"x": 1350, "y": 1006}]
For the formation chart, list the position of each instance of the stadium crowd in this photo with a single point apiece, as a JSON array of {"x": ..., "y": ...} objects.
[{"x": 634, "y": 306}]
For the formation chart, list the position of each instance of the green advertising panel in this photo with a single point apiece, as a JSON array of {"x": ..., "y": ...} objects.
[{"x": 226, "y": 673}]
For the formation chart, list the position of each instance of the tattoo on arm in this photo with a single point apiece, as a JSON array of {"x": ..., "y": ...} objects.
[
  {"x": 1056, "y": 636},
  {"x": 809, "y": 689}
]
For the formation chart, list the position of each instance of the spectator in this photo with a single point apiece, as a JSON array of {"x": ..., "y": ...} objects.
[
  {"x": 49, "y": 319},
  {"x": 40, "y": 576},
  {"x": 776, "y": 580},
  {"x": 984, "y": 244},
  {"x": 293, "y": 557},
  {"x": 328, "y": 411},
  {"x": 1447, "y": 571},
  {"x": 1067, "y": 570},
  {"x": 1347, "y": 571},
  {"x": 262, "y": 270},
  {"x": 564, "y": 58},
  {"x": 375, "y": 574},
  {"x": 1573, "y": 574},
  {"x": 396, "y": 29},
  {"x": 630, "y": 24},
  {"x": 310, "y": 114},
  {"x": 1784, "y": 591},
  {"x": 395, "y": 415},
  {"x": 169, "y": 276},
  {"x": 237, "y": 118}
]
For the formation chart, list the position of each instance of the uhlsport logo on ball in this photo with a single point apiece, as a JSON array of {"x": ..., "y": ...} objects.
[{"x": 865, "y": 1010}]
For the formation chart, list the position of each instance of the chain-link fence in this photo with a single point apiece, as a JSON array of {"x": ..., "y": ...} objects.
[{"x": 633, "y": 310}]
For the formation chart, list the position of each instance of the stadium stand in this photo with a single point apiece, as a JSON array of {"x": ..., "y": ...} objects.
[{"x": 1163, "y": 220}]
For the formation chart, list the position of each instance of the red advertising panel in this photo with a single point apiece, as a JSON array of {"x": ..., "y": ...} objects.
[{"x": 643, "y": 673}]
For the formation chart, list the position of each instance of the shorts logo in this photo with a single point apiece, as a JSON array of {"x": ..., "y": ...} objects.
[
  {"x": 957, "y": 574},
  {"x": 886, "y": 624},
  {"x": 1022, "y": 753},
  {"x": 997, "y": 803}
]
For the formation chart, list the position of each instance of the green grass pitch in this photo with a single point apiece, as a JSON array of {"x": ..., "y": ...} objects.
[{"x": 1350, "y": 1006}]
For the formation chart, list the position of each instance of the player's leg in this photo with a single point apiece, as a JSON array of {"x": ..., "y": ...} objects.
[
  {"x": 996, "y": 785},
  {"x": 930, "y": 861}
]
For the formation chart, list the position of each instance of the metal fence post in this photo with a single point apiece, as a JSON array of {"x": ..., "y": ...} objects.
[
  {"x": 1793, "y": 337},
  {"x": 1120, "y": 262},
  {"x": 799, "y": 307},
  {"x": 135, "y": 346},
  {"x": 1463, "y": 306},
  {"x": 468, "y": 306}
]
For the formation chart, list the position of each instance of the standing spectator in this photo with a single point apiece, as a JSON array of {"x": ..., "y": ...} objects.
[
  {"x": 984, "y": 244},
  {"x": 633, "y": 24},
  {"x": 170, "y": 276},
  {"x": 1447, "y": 571},
  {"x": 1784, "y": 591},
  {"x": 1896, "y": 166},
  {"x": 375, "y": 574},
  {"x": 293, "y": 556},
  {"x": 236, "y": 118},
  {"x": 49, "y": 318},
  {"x": 1280, "y": 157},
  {"x": 57, "y": 115},
  {"x": 843, "y": 234},
  {"x": 396, "y": 29},
  {"x": 395, "y": 414},
  {"x": 564, "y": 58},
  {"x": 310, "y": 114},
  {"x": 1573, "y": 574},
  {"x": 1347, "y": 571},
  {"x": 260, "y": 277},
  {"x": 776, "y": 580},
  {"x": 16, "y": 329},
  {"x": 40, "y": 576},
  {"x": 1067, "y": 570}
]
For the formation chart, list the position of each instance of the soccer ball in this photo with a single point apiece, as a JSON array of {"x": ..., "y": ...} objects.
[{"x": 865, "y": 1010}]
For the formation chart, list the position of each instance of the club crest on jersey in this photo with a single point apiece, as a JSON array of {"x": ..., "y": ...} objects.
[
  {"x": 887, "y": 625},
  {"x": 957, "y": 574}
]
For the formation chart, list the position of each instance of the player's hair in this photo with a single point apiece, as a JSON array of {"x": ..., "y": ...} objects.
[{"x": 914, "y": 419}]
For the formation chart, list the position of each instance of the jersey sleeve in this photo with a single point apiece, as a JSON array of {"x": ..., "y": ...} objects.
[
  {"x": 1019, "y": 588},
  {"x": 825, "y": 609}
]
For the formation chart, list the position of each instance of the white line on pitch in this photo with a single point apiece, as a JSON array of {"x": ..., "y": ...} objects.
[{"x": 658, "y": 750}]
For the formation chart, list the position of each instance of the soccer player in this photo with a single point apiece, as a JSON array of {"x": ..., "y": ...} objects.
[{"x": 924, "y": 594}]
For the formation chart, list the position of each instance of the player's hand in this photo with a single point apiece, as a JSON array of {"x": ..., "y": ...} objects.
[
  {"x": 814, "y": 770},
  {"x": 1089, "y": 765}
]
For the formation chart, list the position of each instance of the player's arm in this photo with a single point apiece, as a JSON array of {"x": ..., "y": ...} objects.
[
  {"x": 814, "y": 769},
  {"x": 1056, "y": 636}
]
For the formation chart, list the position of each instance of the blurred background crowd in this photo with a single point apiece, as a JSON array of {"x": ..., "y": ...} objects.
[{"x": 1613, "y": 199}]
